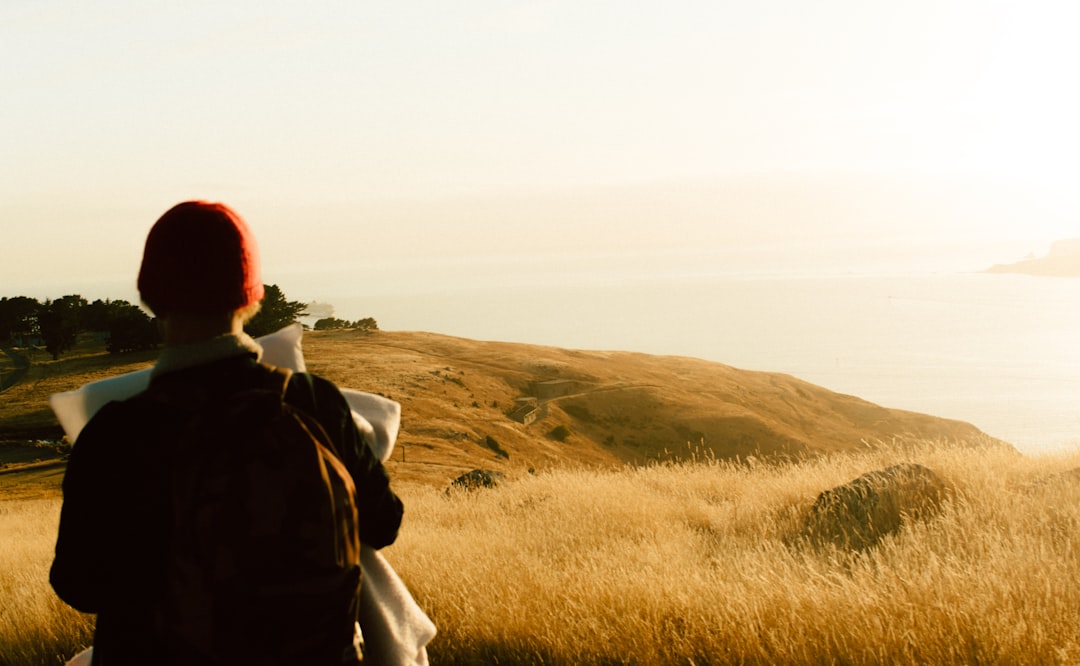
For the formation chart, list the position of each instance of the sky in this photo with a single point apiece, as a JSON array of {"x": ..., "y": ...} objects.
[{"x": 400, "y": 133}]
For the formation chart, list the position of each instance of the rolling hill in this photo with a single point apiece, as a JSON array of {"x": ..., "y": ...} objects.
[{"x": 516, "y": 407}]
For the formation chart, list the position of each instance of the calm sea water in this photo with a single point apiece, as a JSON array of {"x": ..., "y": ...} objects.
[{"x": 999, "y": 351}]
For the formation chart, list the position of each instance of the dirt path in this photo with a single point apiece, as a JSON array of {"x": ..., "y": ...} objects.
[{"x": 22, "y": 364}]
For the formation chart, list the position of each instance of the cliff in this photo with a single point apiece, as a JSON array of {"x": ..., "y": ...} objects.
[{"x": 1063, "y": 260}]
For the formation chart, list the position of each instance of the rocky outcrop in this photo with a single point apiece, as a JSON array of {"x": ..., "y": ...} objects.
[
  {"x": 478, "y": 478},
  {"x": 858, "y": 514},
  {"x": 1063, "y": 260}
]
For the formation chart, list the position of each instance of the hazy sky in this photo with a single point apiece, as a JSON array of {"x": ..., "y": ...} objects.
[{"x": 387, "y": 130}]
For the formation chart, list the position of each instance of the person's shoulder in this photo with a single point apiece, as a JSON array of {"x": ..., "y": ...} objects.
[
  {"x": 318, "y": 382},
  {"x": 113, "y": 426},
  {"x": 115, "y": 415},
  {"x": 315, "y": 388}
]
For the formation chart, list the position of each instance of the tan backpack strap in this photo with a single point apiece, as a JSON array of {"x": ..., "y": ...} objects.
[{"x": 278, "y": 378}]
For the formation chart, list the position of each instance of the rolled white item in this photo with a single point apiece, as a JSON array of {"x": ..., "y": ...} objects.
[
  {"x": 282, "y": 348},
  {"x": 395, "y": 630},
  {"x": 378, "y": 418},
  {"x": 74, "y": 408}
]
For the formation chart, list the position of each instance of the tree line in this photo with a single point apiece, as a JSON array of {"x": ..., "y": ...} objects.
[{"x": 57, "y": 323}]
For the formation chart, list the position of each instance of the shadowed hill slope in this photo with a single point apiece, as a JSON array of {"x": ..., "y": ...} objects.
[{"x": 516, "y": 407}]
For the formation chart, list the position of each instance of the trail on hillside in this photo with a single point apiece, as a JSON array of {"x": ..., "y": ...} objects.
[{"x": 22, "y": 365}]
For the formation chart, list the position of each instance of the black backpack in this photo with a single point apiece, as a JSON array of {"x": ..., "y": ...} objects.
[{"x": 263, "y": 564}]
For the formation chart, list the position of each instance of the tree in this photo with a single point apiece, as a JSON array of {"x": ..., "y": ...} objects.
[
  {"x": 18, "y": 317},
  {"x": 60, "y": 323},
  {"x": 98, "y": 315},
  {"x": 332, "y": 323},
  {"x": 130, "y": 329},
  {"x": 275, "y": 314},
  {"x": 366, "y": 324}
]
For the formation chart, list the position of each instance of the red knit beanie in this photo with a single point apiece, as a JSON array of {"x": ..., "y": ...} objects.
[{"x": 200, "y": 258}]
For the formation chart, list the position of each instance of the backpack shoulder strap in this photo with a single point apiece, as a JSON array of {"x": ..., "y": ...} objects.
[{"x": 277, "y": 379}]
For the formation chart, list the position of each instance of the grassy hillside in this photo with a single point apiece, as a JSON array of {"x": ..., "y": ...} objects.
[
  {"x": 619, "y": 407},
  {"x": 605, "y": 408},
  {"x": 24, "y": 409},
  {"x": 705, "y": 554}
]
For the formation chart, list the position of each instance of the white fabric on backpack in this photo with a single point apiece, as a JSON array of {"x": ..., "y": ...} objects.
[
  {"x": 74, "y": 408},
  {"x": 378, "y": 418},
  {"x": 395, "y": 629},
  {"x": 82, "y": 659}
]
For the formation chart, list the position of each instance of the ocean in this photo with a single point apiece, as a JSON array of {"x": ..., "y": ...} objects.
[{"x": 999, "y": 351}]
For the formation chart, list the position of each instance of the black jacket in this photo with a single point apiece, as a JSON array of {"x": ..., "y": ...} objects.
[{"x": 113, "y": 535}]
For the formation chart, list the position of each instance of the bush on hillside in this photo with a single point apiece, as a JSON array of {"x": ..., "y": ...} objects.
[
  {"x": 333, "y": 323},
  {"x": 559, "y": 433}
]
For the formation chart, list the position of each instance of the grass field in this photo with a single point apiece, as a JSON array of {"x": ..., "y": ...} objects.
[
  {"x": 35, "y": 626},
  {"x": 695, "y": 563}
]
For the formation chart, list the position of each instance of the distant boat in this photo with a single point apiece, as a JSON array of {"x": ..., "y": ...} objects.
[{"x": 316, "y": 311}]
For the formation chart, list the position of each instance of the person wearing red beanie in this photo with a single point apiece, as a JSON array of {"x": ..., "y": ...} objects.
[
  {"x": 200, "y": 258},
  {"x": 200, "y": 275}
]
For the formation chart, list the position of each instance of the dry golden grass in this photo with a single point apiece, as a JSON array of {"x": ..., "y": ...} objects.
[
  {"x": 698, "y": 562},
  {"x": 688, "y": 563},
  {"x": 35, "y": 626}
]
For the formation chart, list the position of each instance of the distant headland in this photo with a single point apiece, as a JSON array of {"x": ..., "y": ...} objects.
[{"x": 1063, "y": 260}]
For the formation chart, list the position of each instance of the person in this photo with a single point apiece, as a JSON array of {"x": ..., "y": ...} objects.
[{"x": 200, "y": 276}]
